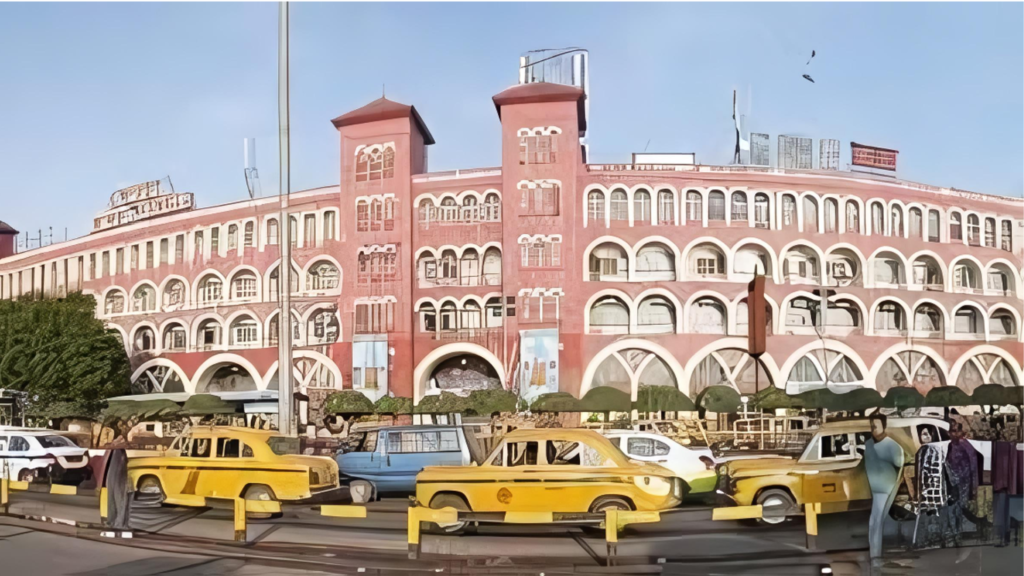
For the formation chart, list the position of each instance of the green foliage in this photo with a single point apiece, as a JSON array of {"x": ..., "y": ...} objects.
[
  {"x": 773, "y": 398},
  {"x": 944, "y": 396},
  {"x": 556, "y": 402},
  {"x": 487, "y": 402},
  {"x": 61, "y": 355},
  {"x": 389, "y": 405},
  {"x": 605, "y": 399},
  {"x": 443, "y": 403},
  {"x": 903, "y": 397},
  {"x": 998, "y": 395},
  {"x": 658, "y": 398},
  {"x": 140, "y": 410},
  {"x": 206, "y": 404},
  {"x": 348, "y": 402},
  {"x": 719, "y": 399}
]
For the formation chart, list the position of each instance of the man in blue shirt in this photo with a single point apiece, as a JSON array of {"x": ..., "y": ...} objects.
[{"x": 883, "y": 460}]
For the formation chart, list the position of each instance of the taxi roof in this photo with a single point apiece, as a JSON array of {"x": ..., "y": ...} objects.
[
  {"x": 528, "y": 434},
  {"x": 240, "y": 430}
]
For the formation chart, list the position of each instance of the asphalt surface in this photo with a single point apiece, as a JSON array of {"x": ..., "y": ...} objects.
[{"x": 684, "y": 542}]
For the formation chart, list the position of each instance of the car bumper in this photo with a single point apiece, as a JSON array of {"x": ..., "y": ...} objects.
[{"x": 333, "y": 495}]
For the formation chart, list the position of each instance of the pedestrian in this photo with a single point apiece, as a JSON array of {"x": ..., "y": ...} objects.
[
  {"x": 883, "y": 461},
  {"x": 119, "y": 491},
  {"x": 962, "y": 478},
  {"x": 1006, "y": 480}
]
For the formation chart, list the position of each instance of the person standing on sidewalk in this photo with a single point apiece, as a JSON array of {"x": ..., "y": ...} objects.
[
  {"x": 119, "y": 492},
  {"x": 883, "y": 460}
]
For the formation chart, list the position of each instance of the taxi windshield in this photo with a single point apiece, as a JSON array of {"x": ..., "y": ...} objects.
[{"x": 282, "y": 445}]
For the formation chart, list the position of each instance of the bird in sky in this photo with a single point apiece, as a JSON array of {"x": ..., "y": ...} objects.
[
  {"x": 808, "y": 78},
  {"x": 811, "y": 58}
]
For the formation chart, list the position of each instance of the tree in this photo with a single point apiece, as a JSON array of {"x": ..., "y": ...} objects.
[{"x": 58, "y": 352}]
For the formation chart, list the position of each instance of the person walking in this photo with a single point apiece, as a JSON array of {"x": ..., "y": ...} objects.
[
  {"x": 119, "y": 492},
  {"x": 883, "y": 460}
]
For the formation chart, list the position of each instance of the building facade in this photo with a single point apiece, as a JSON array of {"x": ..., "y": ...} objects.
[{"x": 552, "y": 274}]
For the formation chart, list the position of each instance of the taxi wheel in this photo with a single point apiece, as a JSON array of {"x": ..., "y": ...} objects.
[
  {"x": 610, "y": 503},
  {"x": 259, "y": 492},
  {"x": 453, "y": 501},
  {"x": 774, "y": 497},
  {"x": 149, "y": 492}
]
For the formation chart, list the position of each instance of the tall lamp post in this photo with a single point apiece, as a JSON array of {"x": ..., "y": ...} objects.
[{"x": 285, "y": 394}]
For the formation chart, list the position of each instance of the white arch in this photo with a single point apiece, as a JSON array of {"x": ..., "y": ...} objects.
[
  {"x": 442, "y": 353},
  {"x": 1014, "y": 277},
  {"x": 946, "y": 320},
  {"x": 732, "y": 342},
  {"x": 772, "y": 256},
  {"x": 586, "y": 201},
  {"x": 134, "y": 332},
  {"x": 734, "y": 306},
  {"x": 860, "y": 214},
  {"x": 908, "y": 314},
  {"x": 634, "y": 314},
  {"x": 869, "y": 273},
  {"x": 156, "y": 362},
  {"x": 202, "y": 276},
  {"x": 229, "y": 283},
  {"x": 601, "y": 294},
  {"x": 954, "y": 372},
  {"x": 297, "y": 355},
  {"x": 951, "y": 282},
  {"x": 225, "y": 358},
  {"x": 235, "y": 316},
  {"x": 995, "y": 308},
  {"x": 803, "y": 244},
  {"x": 187, "y": 292},
  {"x": 931, "y": 254},
  {"x": 895, "y": 349},
  {"x": 868, "y": 229},
  {"x": 658, "y": 188},
  {"x": 725, "y": 302},
  {"x": 826, "y": 344},
  {"x": 630, "y": 259},
  {"x": 646, "y": 345},
  {"x": 685, "y": 256},
  {"x": 818, "y": 228}
]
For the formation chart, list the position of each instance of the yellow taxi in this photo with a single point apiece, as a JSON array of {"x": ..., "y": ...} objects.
[
  {"x": 551, "y": 470},
  {"x": 830, "y": 471},
  {"x": 230, "y": 462}
]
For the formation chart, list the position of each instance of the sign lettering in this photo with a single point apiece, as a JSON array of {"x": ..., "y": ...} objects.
[{"x": 872, "y": 157}]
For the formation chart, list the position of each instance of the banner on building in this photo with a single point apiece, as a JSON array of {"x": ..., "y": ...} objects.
[
  {"x": 795, "y": 153},
  {"x": 538, "y": 357},
  {"x": 873, "y": 156},
  {"x": 141, "y": 202},
  {"x": 759, "y": 150},
  {"x": 828, "y": 154}
]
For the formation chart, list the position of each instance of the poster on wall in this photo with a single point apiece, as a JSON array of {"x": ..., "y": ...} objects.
[{"x": 538, "y": 370}]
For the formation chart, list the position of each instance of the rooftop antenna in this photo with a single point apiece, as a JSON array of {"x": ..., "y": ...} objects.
[{"x": 252, "y": 177}]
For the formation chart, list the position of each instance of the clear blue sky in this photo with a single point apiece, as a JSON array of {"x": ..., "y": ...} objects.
[{"x": 95, "y": 97}]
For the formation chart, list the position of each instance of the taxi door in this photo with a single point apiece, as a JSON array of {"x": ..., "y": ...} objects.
[
  {"x": 519, "y": 486},
  {"x": 834, "y": 473},
  {"x": 183, "y": 474},
  {"x": 223, "y": 474}
]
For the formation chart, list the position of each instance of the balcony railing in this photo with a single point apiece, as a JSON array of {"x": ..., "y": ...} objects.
[{"x": 490, "y": 338}]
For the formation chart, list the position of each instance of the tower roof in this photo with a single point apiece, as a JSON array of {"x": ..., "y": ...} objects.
[
  {"x": 383, "y": 109},
  {"x": 5, "y": 228},
  {"x": 543, "y": 92}
]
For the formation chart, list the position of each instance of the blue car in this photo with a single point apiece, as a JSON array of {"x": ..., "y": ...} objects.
[{"x": 391, "y": 457}]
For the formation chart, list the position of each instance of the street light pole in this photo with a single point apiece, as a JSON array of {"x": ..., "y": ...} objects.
[{"x": 285, "y": 395}]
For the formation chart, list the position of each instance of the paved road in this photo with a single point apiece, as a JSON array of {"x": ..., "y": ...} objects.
[{"x": 679, "y": 544}]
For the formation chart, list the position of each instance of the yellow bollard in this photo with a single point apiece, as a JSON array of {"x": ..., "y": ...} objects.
[
  {"x": 811, "y": 511},
  {"x": 343, "y": 511},
  {"x": 240, "y": 529},
  {"x": 616, "y": 520},
  {"x": 417, "y": 514},
  {"x": 3, "y": 492},
  {"x": 62, "y": 489},
  {"x": 103, "y": 503}
]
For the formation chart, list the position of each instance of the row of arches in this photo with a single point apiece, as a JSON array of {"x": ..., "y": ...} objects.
[
  {"x": 791, "y": 210},
  {"x": 467, "y": 265},
  {"x": 228, "y": 372},
  {"x": 244, "y": 284},
  {"x": 659, "y": 311},
  {"x": 656, "y": 258}
]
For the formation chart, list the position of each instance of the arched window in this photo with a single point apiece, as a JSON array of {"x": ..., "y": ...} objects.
[
  {"x": 491, "y": 275},
  {"x": 595, "y": 206},
  {"x": 210, "y": 290},
  {"x": 762, "y": 218},
  {"x": 802, "y": 312},
  {"x": 330, "y": 222},
  {"x": 208, "y": 335},
  {"x": 175, "y": 338},
  {"x": 275, "y": 281},
  {"x": 244, "y": 286},
  {"x": 244, "y": 332},
  {"x": 248, "y": 240},
  {"x": 694, "y": 207},
  {"x": 897, "y": 222},
  {"x": 274, "y": 331},
  {"x": 706, "y": 260},
  {"x": 752, "y": 260},
  {"x": 877, "y": 219},
  {"x": 743, "y": 318},
  {"x": 889, "y": 269},
  {"x": 469, "y": 268},
  {"x": 916, "y": 223},
  {"x": 716, "y": 206},
  {"x": 174, "y": 295},
  {"x": 844, "y": 267},
  {"x": 641, "y": 207},
  {"x": 707, "y": 316},
  {"x": 144, "y": 299},
  {"x": 852, "y": 217},
  {"x": 810, "y": 214},
  {"x": 933, "y": 225},
  {"x": 666, "y": 207},
  {"x": 928, "y": 321},
  {"x": 990, "y": 232},
  {"x": 739, "y": 207},
  {"x": 1006, "y": 242},
  {"x": 788, "y": 212},
  {"x": 843, "y": 318},
  {"x": 973, "y": 230},
  {"x": 233, "y": 237},
  {"x": 273, "y": 234},
  {"x": 609, "y": 263},
  {"x": 831, "y": 215},
  {"x": 967, "y": 320},
  {"x": 619, "y": 205},
  {"x": 927, "y": 273},
  {"x": 145, "y": 340},
  {"x": 323, "y": 327},
  {"x": 657, "y": 314},
  {"x": 322, "y": 275},
  {"x": 609, "y": 315},
  {"x": 999, "y": 279},
  {"x": 889, "y": 318},
  {"x": 955, "y": 228},
  {"x": 114, "y": 302},
  {"x": 800, "y": 265},
  {"x": 655, "y": 262},
  {"x": 1002, "y": 324},
  {"x": 965, "y": 275}
]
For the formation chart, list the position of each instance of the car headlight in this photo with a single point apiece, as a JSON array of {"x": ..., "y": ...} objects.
[
  {"x": 655, "y": 485},
  {"x": 722, "y": 469}
]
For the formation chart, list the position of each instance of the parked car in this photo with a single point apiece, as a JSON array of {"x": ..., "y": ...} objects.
[
  {"x": 830, "y": 470},
  {"x": 551, "y": 470},
  {"x": 390, "y": 458},
  {"x": 37, "y": 454},
  {"x": 229, "y": 462},
  {"x": 694, "y": 465}
]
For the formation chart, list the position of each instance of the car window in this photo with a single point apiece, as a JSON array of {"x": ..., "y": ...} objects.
[
  {"x": 412, "y": 442},
  {"x": 943, "y": 435},
  {"x": 369, "y": 441},
  {"x": 55, "y": 441},
  {"x": 3, "y": 443},
  {"x": 615, "y": 440},
  {"x": 642, "y": 447},
  {"x": 521, "y": 454},
  {"x": 232, "y": 448},
  {"x": 927, "y": 433},
  {"x": 200, "y": 448},
  {"x": 564, "y": 452},
  {"x": 590, "y": 456},
  {"x": 836, "y": 446},
  {"x": 18, "y": 444}
]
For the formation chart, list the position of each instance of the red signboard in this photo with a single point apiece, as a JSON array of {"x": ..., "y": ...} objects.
[
  {"x": 756, "y": 317},
  {"x": 873, "y": 156}
]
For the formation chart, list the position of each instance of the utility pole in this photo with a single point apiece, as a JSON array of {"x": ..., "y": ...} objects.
[{"x": 285, "y": 394}]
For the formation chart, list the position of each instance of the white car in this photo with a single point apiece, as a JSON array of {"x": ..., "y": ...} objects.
[
  {"x": 31, "y": 454},
  {"x": 694, "y": 465}
]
